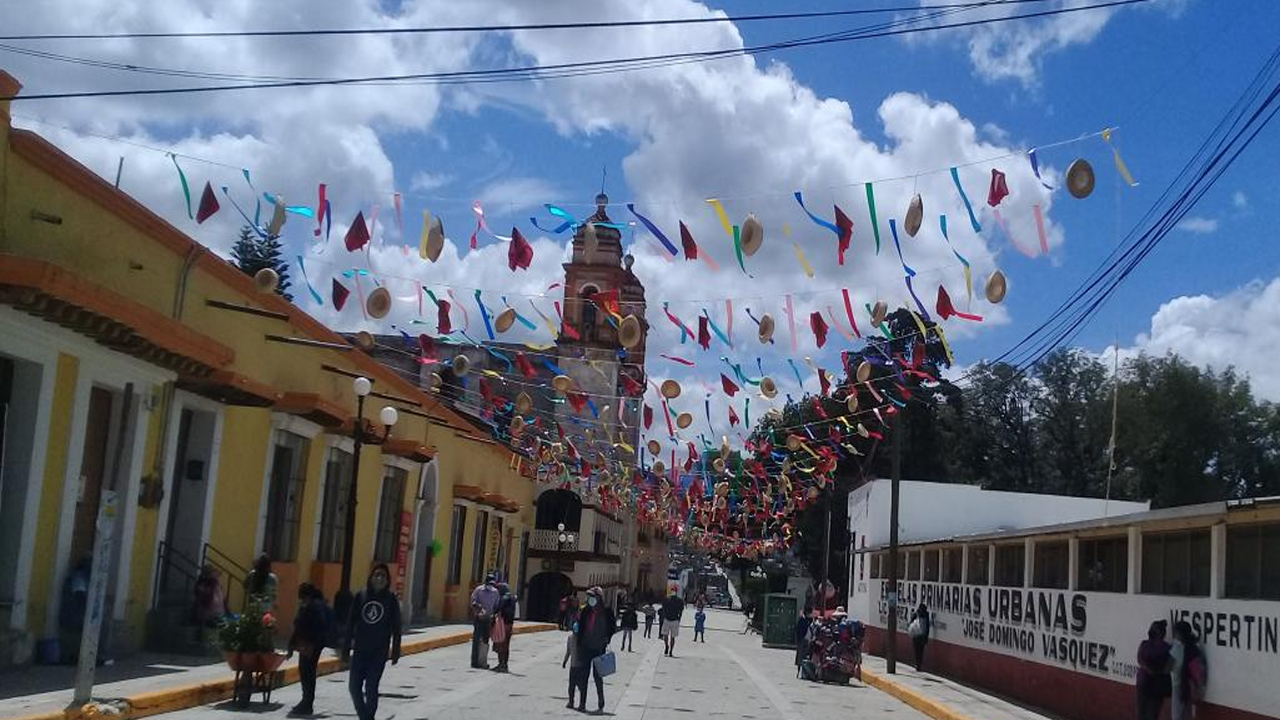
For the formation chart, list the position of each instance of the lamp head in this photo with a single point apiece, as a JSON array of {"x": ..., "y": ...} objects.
[
  {"x": 389, "y": 416},
  {"x": 362, "y": 386}
]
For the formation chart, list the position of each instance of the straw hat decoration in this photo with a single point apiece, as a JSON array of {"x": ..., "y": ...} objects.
[
  {"x": 379, "y": 303},
  {"x": 461, "y": 365},
  {"x": 433, "y": 243},
  {"x": 658, "y": 468},
  {"x": 766, "y": 329},
  {"x": 863, "y": 373},
  {"x": 524, "y": 403},
  {"x": 364, "y": 340},
  {"x": 793, "y": 442},
  {"x": 629, "y": 332},
  {"x": 562, "y": 383},
  {"x": 653, "y": 447},
  {"x": 879, "y": 311},
  {"x": 266, "y": 280},
  {"x": 517, "y": 425},
  {"x": 505, "y": 320},
  {"x": 915, "y": 215},
  {"x": 718, "y": 465},
  {"x": 670, "y": 389},
  {"x": 1080, "y": 179},
  {"x": 684, "y": 420},
  {"x": 852, "y": 402},
  {"x": 768, "y": 388},
  {"x": 997, "y": 287},
  {"x": 751, "y": 236}
]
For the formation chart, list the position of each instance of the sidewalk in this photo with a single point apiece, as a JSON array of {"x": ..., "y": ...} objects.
[
  {"x": 940, "y": 698},
  {"x": 160, "y": 683}
]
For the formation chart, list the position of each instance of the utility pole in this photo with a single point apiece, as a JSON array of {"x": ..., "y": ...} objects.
[
  {"x": 349, "y": 540},
  {"x": 895, "y": 478}
]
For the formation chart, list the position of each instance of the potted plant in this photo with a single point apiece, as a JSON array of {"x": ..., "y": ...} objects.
[{"x": 247, "y": 642}]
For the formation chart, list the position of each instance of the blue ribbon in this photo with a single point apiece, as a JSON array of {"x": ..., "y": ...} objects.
[
  {"x": 955, "y": 177},
  {"x": 1035, "y": 168},
  {"x": 249, "y": 222},
  {"x": 484, "y": 314},
  {"x": 314, "y": 295},
  {"x": 506, "y": 360},
  {"x": 795, "y": 370},
  {"x": 654, "y": 229}
]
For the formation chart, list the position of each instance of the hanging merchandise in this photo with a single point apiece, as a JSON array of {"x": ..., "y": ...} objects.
[
  {"x": 765, "y": 328},
  {"x": 358, "y": 234},
  {"x": 519, "y": 252},
  {"x": 684, "y": 420},
  {"x": 630, "y": 333},
  {"x": 1121, "y": 167},
  {"x": 461, "y": 365},
  {"x": 996, "y": 288},
  {"x": 878, "y": 312},
  {"x": 999, "y": 188},
  {"x": 278, "y": 216},
  {"x": 208, "y": 204},
  {"x": 819, "y": 328},
  {"x": 266, "y": 280},
  {"x": 752, "y": 235},
  {"x": 432, "y": 241},
  {"x": 915, "y": 215},
  {"x": 378, "y": 303},
  {"x": 505, "y": 320},
  {"x": 340, "y": 294},
  {"x": 670, "y": 389}
]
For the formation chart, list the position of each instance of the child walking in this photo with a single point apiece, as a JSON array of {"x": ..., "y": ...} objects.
[
  {"x": 649, "y": 614},
  {"x": 700, "y": 625}
]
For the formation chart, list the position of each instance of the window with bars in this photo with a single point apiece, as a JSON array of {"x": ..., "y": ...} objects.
[
  {"x": 931, "y": 569},
  {"x": 1253, "y": 561},
  {"x": 457, "y": 532},
  {"x": 388, "y": 530},
  {"x": 953, "y": 565},
  {"x": 913, "y": 566},
  {"x": 333, "y": 506},
  {"x": 979, "y": 563},
  {"x": 1103, "y": 565},
  {"x": 284, "y": 496},
  {"x": 1176, "y": 563},
  {"x": 1052, "y": 565},
  {"x": 478, "y": 546},
  {"x": 1011, "y": 566}
]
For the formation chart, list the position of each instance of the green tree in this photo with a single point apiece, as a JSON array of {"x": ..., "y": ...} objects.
[
  {"x": 252, "y": 253},
  {"x": 1072, "y": 422}
]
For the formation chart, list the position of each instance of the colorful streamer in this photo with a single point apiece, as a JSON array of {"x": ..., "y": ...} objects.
[
  {"x": 684, "y": 329},
  {"x": 871, "y": 207},
  {"x": 728, "y": 313},
  {"x": 796, "y": 370},
  {"x": 322, "y": 207},
  {"x": 843, "y": 232},
  {"x": 654, "y": 230},
  {"x": 723, "y": 338},
  {"x": 484, "y": 315},
  {"x": 737, "y": 248},
  {"x": 526, "y": 322},
  {"x": 722, "y": 216},
  {"x": 791, "y": 322},
  {"x": 550, "y": 325},
  {"x": 314, "y": 295},
  {"x": 804, "y": 261},
  {"x": 1035, "y": 168},
  {"x": 1044, "y": 240},
  {"x": 1120, "y": 165},
  {"x": 186, "y": 189},
  {"x": 240, "y": 210},
  {"x": 968, "y": 206},
  {"x": 1012, "y": 241},
  {"x": 680, "y": 360},
  {"x": 396, "y": 200},
  {"x": 968, "y": 273},
  {"x": 848, "y": 309}
]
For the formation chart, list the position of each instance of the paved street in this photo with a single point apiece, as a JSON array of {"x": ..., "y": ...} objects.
[{"x": 729, "y": 676}]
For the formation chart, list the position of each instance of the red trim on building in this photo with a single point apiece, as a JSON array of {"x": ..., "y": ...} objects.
[{"x": 1073, "y": 695}]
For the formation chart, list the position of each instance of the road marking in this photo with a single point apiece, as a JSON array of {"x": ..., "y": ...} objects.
[
  {"x": 770, "y": 690},
  {"x": 635, "y": 698}
]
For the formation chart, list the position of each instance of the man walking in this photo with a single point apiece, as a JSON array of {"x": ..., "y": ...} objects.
[
  {"x": 672, "y": 610},
  {"x": 374, "y": 626},
  {"x": 484, "y": 602}
]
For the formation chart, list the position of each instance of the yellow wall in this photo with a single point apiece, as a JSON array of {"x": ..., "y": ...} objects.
[
  {"x": 55, "y": 474},
  {"x": 246, "y": 433}
]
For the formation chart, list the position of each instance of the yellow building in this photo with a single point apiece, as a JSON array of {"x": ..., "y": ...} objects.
[{"x": 136, "y": 362}]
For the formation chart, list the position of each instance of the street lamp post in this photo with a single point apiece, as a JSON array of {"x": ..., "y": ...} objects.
[
  {"x": 565, "y": 539},
  {"x": 362, "y": 387}
]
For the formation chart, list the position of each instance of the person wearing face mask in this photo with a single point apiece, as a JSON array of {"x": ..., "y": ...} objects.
[
  {"x": 595, "y": 628},
  {"x": 374, "y": 626}
]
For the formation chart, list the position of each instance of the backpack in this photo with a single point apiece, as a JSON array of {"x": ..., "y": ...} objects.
[{"x": 1197, "y": 677}]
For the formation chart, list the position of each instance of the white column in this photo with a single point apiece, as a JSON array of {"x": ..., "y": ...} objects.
[
  {"x": 1028, "y": 562},
  {"x": 1135, "y": 560},
  {"x": 1217, "y": 560},
  {"x": 1073, "y": 564},
  {"x": 991, "y": 565}
]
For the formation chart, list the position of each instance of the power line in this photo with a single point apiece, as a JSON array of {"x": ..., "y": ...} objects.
[
  {"x": 572, "y": 69},
  {"x": 592, "y": 25}
]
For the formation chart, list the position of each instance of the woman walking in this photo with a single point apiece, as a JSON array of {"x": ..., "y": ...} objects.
[
  {"x": 1190, "y": 672},
  {"x": 594, "y": 630},
  {"x": 630, "y": 622},
  {"x": 919, "y": 629},
  {"x": 504, "y": 622},
  {"x": 310, "y": 626},
  {"x": 1154, "y": 682},
  {"x": 649, "y": 614},
  {"x": 375, "y": 626}
]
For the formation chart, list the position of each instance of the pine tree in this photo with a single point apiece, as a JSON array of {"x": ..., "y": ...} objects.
[{"x": 252, "y": 253}]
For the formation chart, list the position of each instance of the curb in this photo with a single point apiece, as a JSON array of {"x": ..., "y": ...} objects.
[
  {"x": 188, "y": 696},
  {"x": 915, "y": 699}
]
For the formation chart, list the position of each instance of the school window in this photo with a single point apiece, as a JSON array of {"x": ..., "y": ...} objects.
[
  {"x": 913, "y": 566},
  {"x": 1011, "y": 565},
  {"x": 931, "y": 559},
  {"x": 457, "y": 532},
  {"x": 477, "y": 547},
  {"x": 333, "y": 506},
  {"x": 1176, "y": 563},
  {"x": 979, "y": 562},
  {"x": 388, "y": 538},
  {"x": 284, "y": 496},
  {"x": 876, "y": 559},
  {"x": 1253, "y": 561},
  {"x": 1052, "y": 565},
  {"x": 953, "y": 565},
  {"x": 1103, "y": 565}
]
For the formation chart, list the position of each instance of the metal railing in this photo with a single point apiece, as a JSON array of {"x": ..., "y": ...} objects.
[
  {"x": 233, "y": 574},
  {"x": 550, "y": 540},
  {"x": 173, "y": 565}
]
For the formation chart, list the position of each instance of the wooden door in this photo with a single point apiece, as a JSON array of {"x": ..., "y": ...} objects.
[{"x": 93, "y": 468}]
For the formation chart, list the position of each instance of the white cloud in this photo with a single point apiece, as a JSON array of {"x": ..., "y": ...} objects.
[
  {"x": 1240, "y": 201},
  {"x": 1199, "y": 225},
  {"x": 1241, "y": 328},
  {"x": 513, "y": 194},
  {"x": 424, "y": 181}
]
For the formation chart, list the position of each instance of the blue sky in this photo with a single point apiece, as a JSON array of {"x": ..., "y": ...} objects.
[{"x": 1163, "y": 73}]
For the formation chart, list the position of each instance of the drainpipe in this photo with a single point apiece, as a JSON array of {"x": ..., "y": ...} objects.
[{"x": 167, "y": 391}]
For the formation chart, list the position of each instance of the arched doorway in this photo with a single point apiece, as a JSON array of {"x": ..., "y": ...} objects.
[
  {"x": 545, "y": 590},
  {"x": 558, "y": 506}
]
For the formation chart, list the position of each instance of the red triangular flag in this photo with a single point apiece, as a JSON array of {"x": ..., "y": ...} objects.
[
  {"x": 686, "y": 239},
  {"x": 208, "y": 204},
  {"x": 733, "y": 417},
  {"x": 824, "y": 381},
  {"x": 578, "y": 401},
  {"x": 340, "y": 295},
  {"x": 519, "y": 252},
  {"x": 999, "y": 189},
  {"x": 648, "y": 417},
  {"x": 946, "y": 309},
  {"x": 846, "y": 233},
  {"x": 819, "y": 327},
  {"x": 443, "y": 326},
  {"x": 357, "y": 234},
  {"x": 730, "y": 387},
  {"x": 704, "y": 335}
]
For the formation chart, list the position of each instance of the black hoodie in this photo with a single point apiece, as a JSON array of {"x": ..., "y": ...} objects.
[{"x": 374, "y": 623}]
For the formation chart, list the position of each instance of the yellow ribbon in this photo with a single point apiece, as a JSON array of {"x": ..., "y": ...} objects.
[
  {"x": 804, "y": 261},
  {"x": 724, "y": 217},
  {"x": 946, "y": 346},
  {"x": 1120, "y": 166},
  {"x": 919, "y": 324}
]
